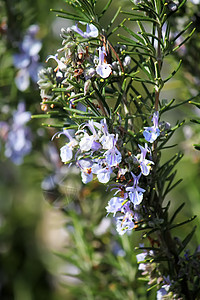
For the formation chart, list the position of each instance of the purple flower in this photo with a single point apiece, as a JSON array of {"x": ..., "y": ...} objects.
[
  {"x": 135, "y": 192},
  {"x": 18, "y": 143},
  {"x": 91, "y": 31},
  {"x": 140, "y": 258},
  {"x": 145, "y": 164},
  {"x": 90, "y": 142},
  {"x": 112, "y": 155},
  {"x": 102, "y": 171},
  {"x": 125, "y": 223},
  {"x": 85, "y": 166},
  {"x": 66, "y": 152},
  {"x": 27, "y": 60},
  {"x": 103, "y": 69},
  {"x": 115, "y": 204},
  {"x": 61, "y": 66},
  {"x": 151, "y": 133},
  {"x": 103, "y": 175},
  {"x": 108, "y": 141},
  {"x": 162, "y": 292}
]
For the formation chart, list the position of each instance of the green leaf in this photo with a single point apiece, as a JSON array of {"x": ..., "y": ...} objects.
[
  {"x": 105, "y": 8},
  {"x": 76, "y": 111},
  {"x": 115, "y": 29},
  {"x": 181, "y": 4},
  {"x": 77, "y": 117},
  {"x": 76, "y": 96},
  {"x": 184, "y": 41},
  {"x": 71, "y": 16},
  {"x": 166, "y": 107},
  {"x": 173, "y": 73},
  {"x": 176, "y": 212},
  {"x": 186, "y": 240},
  {"x": 179, "y": 124},
  {"x": 146, "y": 8},
  {"x": 103, "y": 101},
  {"x": 197, "y": 146},
  {"x": 40, "y": 116},
  {"x": 152, "y": 287},
  {"x": 152, "y": 36},
  {"x": 59, "y": 90},
  {"x": 114, "y": 18},
  {"x": 139, "y": 17},
  {"x": 68, "y": 126},
  {"x": 54, "y": 112},
  {"x": 195, "y": 103},
  {"x": 133, "y": 34},
  {"x": 182, "y": 223},
  {"x": 146, "y": 19},
  {"x": 132, "y": 43},
  {"x": 181, "y": 32},
  {"x": 52, "y": 102},
  {"x": 119, "y": 99},
  {"x": 75, "y": 84},
  {"x": 138, "y": 53},
  {"x": 68, "y": 17},
  {"x": 144, "y": 80},
  {"x": 195, "y": 121},
  {"x": 172, "y": 187}
]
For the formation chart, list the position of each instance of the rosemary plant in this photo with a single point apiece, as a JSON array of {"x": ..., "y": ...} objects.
[{"x": 106, "y": 100}]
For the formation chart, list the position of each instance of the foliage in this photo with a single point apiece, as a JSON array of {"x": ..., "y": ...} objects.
[
  {"x": 105, "y": 89},
  {"x": 104, "y": 98}
]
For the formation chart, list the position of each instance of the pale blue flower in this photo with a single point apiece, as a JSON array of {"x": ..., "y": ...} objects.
[
  {"x": 115, "y": 205},
  {"x": 107, "y": 141},
  {"x": 145, "y": 164},
  {"x": 151, "y": 133},
  {"x": 162, "y": 292},
  {"x": 103, "y": 69},
  {"x": 91, "y": 31},
  {"x": 125, "y": 223},
  {"x": 140, "y": 258},
  {"x": 85, "y": 166},
  {"x": 135, "y": 192},
  {"x": 18, "y": 141},
  {"x": 27, "y": 60},
  {"x": 61, "y": 65},
  {"x": 101, "y": 169},
  {"x": 90, "y": 142},
  {"x": 103, "y": 175},
  {"x": 113, "y": 157},
  {"x": 66, "y": 153}
]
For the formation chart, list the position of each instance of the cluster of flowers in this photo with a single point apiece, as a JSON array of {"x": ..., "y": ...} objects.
[
  {"x": 77, "y": 61},
  {"x": 97, "y": 154},
  {"x": 128, "y": 202},
  {"x": 27, "y": 60},
  {"x": 148, "y": 268},
  {"x": 94, "y": 149},
  {"x": 16, "y": 135}
]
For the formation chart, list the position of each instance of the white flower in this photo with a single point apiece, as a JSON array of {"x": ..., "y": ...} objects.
[
  {"x": 91, "y": 30},
  {"x": 103, "y": 69}
]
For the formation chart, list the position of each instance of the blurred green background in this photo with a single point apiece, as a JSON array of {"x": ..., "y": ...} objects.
[{"x": 55, "y": 241}]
